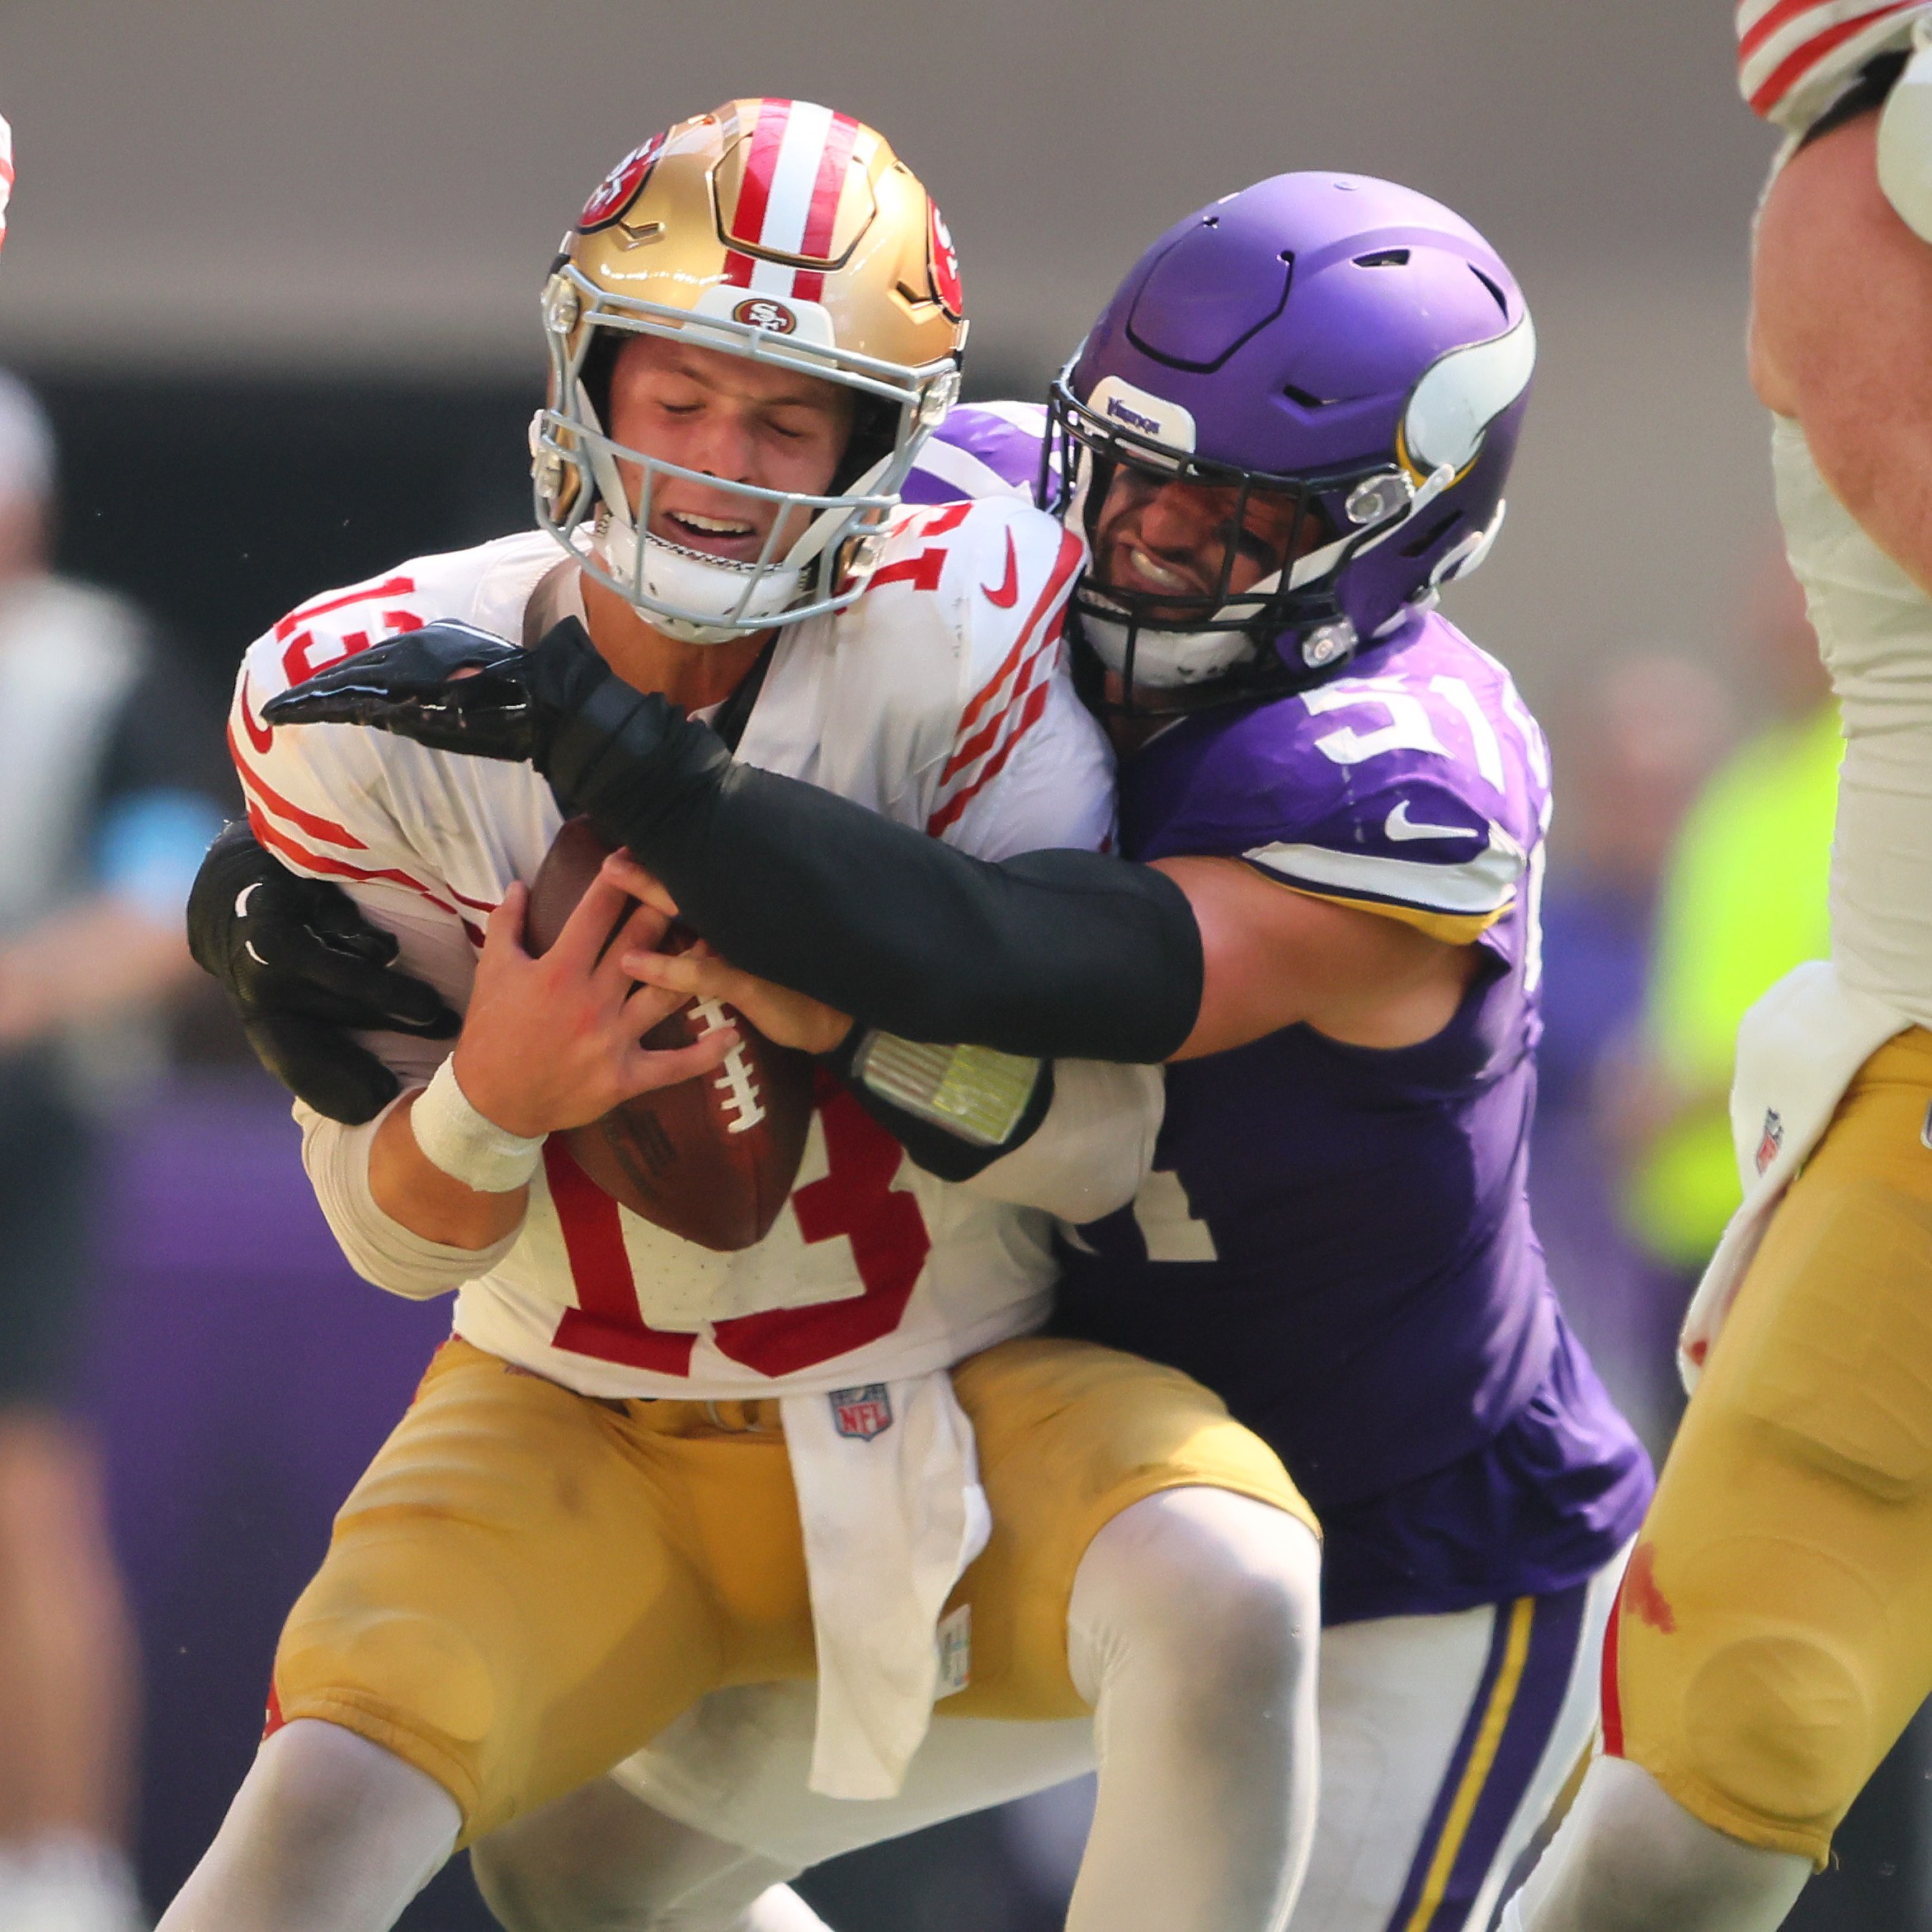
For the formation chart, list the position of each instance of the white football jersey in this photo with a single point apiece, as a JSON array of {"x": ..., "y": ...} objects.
[
  {"x": 940, "y": 698},
  {"x": 1795, "y": 57}
]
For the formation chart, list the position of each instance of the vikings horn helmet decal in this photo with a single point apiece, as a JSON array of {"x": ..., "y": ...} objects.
[
  {"x": 774, "y": 229},
  {"x": 1341, "y": 363}
]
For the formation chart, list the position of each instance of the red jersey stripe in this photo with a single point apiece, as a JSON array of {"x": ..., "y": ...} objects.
[
  {"x": 311, "y": 823},
  {"x": 946, "y": 815},
  {"x": 278, "y": 840},
  {"x": 1039, "y": 661},
  {"x": 1064, "y": 566},
  {"x": 1780, "y": 14}
]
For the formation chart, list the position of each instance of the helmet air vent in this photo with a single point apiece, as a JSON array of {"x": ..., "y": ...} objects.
[
  {"x": 1306, "y": 398},
  {"x": 1502, "y": 301},
  {"x": 1384, "y": 258}
]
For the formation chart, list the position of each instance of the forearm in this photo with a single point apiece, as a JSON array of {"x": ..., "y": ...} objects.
[
  {"x": 1055, "y": 953},
  {"x": 413, "y": 1192},
  {"x": 381, "y": 1249}
]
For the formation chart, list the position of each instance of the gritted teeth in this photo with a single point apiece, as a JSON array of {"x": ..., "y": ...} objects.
[{"x": 1155, "y": 574}]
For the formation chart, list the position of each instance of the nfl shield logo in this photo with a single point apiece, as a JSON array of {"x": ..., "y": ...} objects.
[
  {"x": 864, "y": 1412},
  {"x": 1773, "y": 1139}
]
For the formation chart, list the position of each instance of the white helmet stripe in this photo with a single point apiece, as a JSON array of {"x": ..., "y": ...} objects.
[
  {"x": 771, "y": 278},
  {"x": 1461, "y": 394}
]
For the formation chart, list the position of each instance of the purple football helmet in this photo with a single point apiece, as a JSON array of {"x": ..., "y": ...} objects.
[{"x": 1350, "y": 362}]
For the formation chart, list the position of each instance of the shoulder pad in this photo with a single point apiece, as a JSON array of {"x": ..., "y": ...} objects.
[{"x": 1421, "y": 783}]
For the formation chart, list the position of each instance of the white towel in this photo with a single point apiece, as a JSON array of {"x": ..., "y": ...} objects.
[
  {"x": 889, "y": 1497},
  {"x": 1798, "y": 1049}
]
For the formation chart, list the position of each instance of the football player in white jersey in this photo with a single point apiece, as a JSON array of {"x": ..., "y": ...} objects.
[
  {"x": 642, "y": 1470},
  {"x": 1775, "y": 1635}
]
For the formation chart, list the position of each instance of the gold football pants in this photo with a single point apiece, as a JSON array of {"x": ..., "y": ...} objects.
[
  {"x": 529, "y": 1584},
  {"x": 1774, "y": 1632}
]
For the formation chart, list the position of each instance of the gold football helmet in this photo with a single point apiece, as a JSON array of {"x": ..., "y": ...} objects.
[{"x": 774, "y": 229}]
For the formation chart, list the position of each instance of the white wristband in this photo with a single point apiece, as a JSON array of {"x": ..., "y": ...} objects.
[{"x": 464, "y": 1144}]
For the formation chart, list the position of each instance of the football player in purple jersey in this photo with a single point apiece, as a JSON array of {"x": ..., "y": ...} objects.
[{"x": 1287, "y": 434}]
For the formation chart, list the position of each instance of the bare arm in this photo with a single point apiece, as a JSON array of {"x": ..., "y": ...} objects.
[
  {"x": 1275, "y": 957},
  {"x": 1842, "y": 313}
]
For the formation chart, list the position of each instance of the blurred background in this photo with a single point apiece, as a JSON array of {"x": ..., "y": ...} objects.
[{"x": 273, "y": 272}]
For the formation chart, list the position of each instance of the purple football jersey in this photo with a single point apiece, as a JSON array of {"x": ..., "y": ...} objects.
[
  {"x": 983, "y": 449},
  {"x": 1337, "y": 1239}
]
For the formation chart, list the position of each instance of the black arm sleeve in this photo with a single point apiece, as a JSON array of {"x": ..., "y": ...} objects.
[{"x": 1054, "y": 953}]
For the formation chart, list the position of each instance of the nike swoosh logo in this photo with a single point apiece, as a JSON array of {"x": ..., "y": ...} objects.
[
  {"x": 1008, "y": 594},
  {"x": 261, "y": 736},
  {"x": 1399, "y": 826}
]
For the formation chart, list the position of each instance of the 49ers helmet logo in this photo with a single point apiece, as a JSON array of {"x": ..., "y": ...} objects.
[
  {"x": 761, "y": 312},
  {"x": 945, "y": 263},
  {"x": 619, "y": 188}
]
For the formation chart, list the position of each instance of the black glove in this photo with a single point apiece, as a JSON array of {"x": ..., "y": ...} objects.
[
  {"x": 303, "y": 968},
  {"x": 622, "y": 757},
  {"x": 456, "y": 689}
]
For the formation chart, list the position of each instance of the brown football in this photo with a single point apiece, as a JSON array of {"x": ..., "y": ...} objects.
[{"x": 711, "y": 1159}]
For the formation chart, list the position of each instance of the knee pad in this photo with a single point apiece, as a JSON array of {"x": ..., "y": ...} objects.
[
  {"x": 422, "y": 1669},
  {"x": 1778, "y": 1723}
]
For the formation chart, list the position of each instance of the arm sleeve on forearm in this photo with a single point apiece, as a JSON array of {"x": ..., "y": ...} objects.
[
  {"x": 381, "y": 1251},
  {"x": 1054, "y": 954}
]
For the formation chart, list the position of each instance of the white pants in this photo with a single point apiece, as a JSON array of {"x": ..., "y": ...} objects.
[{"x": 1444, "y": 1742}]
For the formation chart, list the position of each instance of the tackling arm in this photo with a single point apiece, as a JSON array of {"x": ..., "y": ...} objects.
[
  {"x": 1049, "y": 954},
  {"x": 1841, "y": 311},
  {"x": 1057, "y": 955},
  {"x": 1274, "y": 957}
]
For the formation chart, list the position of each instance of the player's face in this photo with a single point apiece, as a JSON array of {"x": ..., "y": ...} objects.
[
  {"x": 1158, "y": 536},
  {"x": 742, "y": 422}
]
